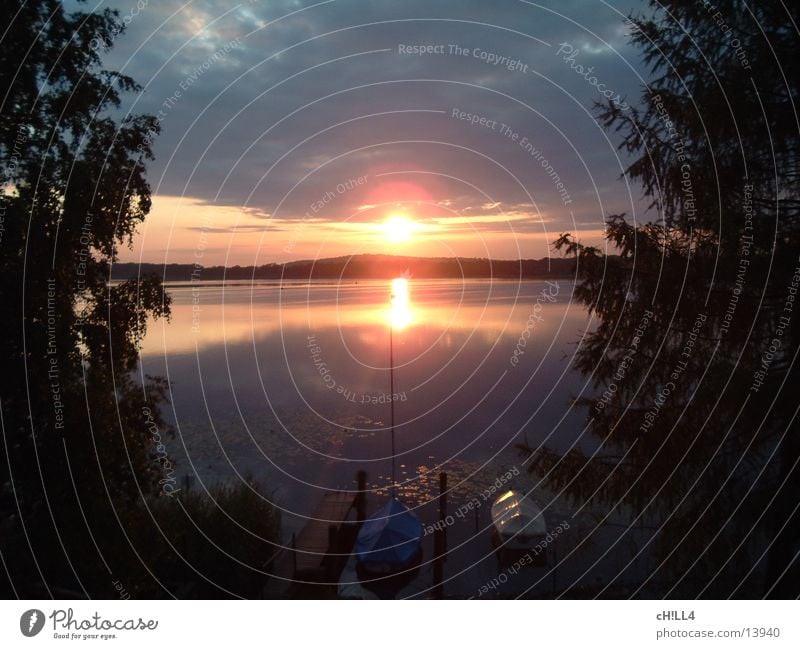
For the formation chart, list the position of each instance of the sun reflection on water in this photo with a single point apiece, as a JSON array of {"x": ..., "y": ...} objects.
[{"x": 400, "y": 312}]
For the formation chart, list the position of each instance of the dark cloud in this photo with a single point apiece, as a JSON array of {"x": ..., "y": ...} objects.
[{"x": 271, "y": 105}]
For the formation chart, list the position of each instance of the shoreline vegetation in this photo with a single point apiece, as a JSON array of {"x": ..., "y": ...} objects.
[{"x": 356, "y": 267}]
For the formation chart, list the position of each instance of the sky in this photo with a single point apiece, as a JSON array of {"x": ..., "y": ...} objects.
[{"x": 301, "y": 129}]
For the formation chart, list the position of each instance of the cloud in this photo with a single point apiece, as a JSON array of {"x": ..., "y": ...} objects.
[
  {"x": 235, "y": 229},
  {"x": 316, "y": 94}
]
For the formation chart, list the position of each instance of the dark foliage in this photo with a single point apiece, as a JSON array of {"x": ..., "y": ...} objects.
[
  {"x": 695, "y": 439},
  {"x": 81, "y": 469}
]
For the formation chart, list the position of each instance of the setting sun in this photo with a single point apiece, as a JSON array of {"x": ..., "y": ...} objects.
[{"x": 398, "y": 228}]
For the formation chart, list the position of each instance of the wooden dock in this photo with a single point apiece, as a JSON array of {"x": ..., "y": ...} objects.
[
  {"x": 310, "y": 565},
  {"x": 320, "y": 536}
]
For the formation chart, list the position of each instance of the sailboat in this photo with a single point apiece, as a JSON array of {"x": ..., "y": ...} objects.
[{"x": 390, "y": 541}]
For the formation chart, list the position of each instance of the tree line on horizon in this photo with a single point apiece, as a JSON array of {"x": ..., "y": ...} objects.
[{"x": 357, "y": 267}]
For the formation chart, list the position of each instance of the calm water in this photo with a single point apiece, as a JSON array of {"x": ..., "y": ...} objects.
[{"x": 290, "y": 385}]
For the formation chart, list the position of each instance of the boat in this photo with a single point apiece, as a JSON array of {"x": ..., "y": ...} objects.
[
  {"x": 389, "y": 544},
  {"x": 519, "y": 528},
  {"x": 389, "y": 541}
]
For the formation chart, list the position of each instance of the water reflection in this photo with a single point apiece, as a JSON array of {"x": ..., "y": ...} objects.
[
  {"x": 400, "y": 314},
  {"x": 304, "y": 373},
  {"x": 208, "y": 316},
  {"x": 290, "y": 385}
]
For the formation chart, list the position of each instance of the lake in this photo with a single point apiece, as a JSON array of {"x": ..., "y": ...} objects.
[{"x": 289, "y": 384}]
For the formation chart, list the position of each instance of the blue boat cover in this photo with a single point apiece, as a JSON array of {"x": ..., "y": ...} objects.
[{"x": 392, "y": 535}]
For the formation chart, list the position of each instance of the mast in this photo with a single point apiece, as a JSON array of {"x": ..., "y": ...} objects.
[{"x": 391, "y": 392}]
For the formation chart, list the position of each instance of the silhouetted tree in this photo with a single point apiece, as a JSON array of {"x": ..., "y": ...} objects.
[
  {"x": 693, "y": 356},
  {"x": 88, "y": 502},
  {"x": 78, "y": 451}
]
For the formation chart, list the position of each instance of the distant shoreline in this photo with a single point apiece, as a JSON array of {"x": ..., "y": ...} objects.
[
  {"x": 298, "y": 283},
  {"x": 358, "y": 267}
]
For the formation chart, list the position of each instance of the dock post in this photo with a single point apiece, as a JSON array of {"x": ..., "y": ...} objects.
[
  {"x": 440, "y": 540},
  {"x": 555, "y": 568},
  {"x": 361, "y": 496},
  {"x": 186, "y": 482},
  {"x": 443, "y": 500},
  {"x": 294, "y": 556}
]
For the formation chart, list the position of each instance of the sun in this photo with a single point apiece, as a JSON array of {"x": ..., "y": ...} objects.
[{"x": 398, "y": 228}]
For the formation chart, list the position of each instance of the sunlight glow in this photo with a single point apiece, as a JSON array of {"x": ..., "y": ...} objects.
[
  {"x": 398, "y": 228},
  {"x": 400, "y": 315}
]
